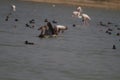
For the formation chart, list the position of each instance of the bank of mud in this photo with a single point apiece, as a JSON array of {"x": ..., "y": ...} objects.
[{"x": 108, "y": 4}]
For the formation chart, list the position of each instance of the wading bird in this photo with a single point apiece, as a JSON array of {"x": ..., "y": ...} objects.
[
  {"x": 85, "y": 18},
  {"x": 13, "y": 7}
]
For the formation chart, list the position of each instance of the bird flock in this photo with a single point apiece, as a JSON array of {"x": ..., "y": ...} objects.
[
  {"x": 111, "y": 29},
  {"x": 48, "y": 30}
]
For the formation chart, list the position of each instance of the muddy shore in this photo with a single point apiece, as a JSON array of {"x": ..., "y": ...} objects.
[{"x": 108, "y": 4}]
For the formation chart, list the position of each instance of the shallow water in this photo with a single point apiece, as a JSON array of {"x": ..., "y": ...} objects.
[{"x": 83, "y": 52}]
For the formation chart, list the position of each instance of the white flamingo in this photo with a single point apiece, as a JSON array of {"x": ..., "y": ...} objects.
[
  {"x": 75, "y": 14},
  {"x": 59, "y": 28},
  {"x": 85, "y": 18},
  {"x": 79, "y": 9},
  {"x": 78, "y": 12},
  {"x": 13, "y": 7}
]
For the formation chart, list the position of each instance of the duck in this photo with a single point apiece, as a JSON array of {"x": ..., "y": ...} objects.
[
  {"x": 74, "y": 25},
  {"x": 114, "y": 47},
  {"x": 16, "y": 20},
  {"x": 54, "y": 21},
  {"x": 29, "y": 43}
]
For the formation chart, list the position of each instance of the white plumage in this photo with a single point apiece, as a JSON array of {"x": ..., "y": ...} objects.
[
  {"x": 13, "y": 7},
  {"x": 85, "y": 16}
]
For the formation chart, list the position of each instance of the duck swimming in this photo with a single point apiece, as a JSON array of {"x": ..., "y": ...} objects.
[{"x": 29, "y": 43}]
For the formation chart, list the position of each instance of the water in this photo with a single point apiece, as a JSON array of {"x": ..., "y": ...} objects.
[{"x": 83, "y": 52}]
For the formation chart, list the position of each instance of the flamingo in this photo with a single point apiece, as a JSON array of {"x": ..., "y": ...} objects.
[
  {"x": 79, "y": 14},
  {"x": 85, "y": 18},
  {"x": 58, "y": 28},
  {"x": 76, "y": 14},
  {"x": 79, "y": 9},
  {"x": 13, "y": 7}
]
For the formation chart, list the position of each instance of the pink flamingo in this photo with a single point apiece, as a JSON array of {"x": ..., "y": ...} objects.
[
  {"x": 13, "y": 7},
  {"x": 85, "y": 18},
  {"x": 79, "y": 9},
  {"x": 75, "y": 14},
  {"x": 58, "y": 28},
  {"x": 78, "y": 12}
]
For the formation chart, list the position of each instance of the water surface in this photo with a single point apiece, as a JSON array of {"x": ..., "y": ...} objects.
[{"x": 83, "y": 52}]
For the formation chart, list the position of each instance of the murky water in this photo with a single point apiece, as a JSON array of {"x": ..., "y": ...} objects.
[{"x": 83, "y": 52}]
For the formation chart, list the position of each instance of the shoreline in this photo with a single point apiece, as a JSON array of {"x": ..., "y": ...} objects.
[{"x": 93, "y": 4}]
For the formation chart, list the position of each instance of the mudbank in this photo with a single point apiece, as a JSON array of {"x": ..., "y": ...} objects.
[{"x": 109, "y": 4}]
